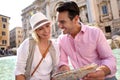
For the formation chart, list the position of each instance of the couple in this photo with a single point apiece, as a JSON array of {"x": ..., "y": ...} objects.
[{"x": 83, "y": 44}]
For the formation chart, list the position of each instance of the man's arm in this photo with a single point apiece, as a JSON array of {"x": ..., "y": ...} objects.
[{"x": 108, "y": 60}]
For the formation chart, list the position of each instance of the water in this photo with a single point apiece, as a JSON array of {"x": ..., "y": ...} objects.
[
  {"x": 117, "y": 55},
  {"x": 7, "y": 66}
]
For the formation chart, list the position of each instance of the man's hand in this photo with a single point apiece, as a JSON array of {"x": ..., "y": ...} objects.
[{"x": 100, "y": 74}]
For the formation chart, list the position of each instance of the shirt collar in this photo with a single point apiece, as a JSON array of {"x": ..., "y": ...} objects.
[{"x": 83, "y": 29}]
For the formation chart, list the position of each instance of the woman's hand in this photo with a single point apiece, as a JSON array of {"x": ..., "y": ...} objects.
[
  {"x": 20, "y": 77},
  {"x": 64, "y": 68}
]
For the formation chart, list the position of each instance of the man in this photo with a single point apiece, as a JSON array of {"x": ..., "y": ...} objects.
[{"x": 83, "y": 45}]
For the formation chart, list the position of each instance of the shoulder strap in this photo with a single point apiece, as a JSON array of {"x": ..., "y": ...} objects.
[
  {"x": 44, "y": 55},
  {"x": 30, "y": 58},
  {"x": 31, "y": 54}
]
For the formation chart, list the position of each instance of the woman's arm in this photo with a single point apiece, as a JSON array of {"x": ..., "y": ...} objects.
[{"x": 22, "y": 53}]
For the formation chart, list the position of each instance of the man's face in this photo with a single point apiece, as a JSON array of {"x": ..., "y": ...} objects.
[{"x": 65, "y": 23}]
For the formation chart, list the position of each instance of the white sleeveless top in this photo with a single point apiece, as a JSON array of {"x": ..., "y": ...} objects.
[{"x": 44, "y": 69}]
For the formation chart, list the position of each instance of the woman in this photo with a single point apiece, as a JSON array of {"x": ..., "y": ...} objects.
[{"x": 45, "y": 52}]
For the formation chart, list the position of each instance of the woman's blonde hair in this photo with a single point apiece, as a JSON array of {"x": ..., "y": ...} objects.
[{"x": 35, "y": 36}]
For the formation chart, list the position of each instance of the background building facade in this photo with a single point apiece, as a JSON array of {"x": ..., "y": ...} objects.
[
  {"x": 16, "y": 37},
  {"x": 102, "y": 13},
  {"x": 4, "y": 32}
]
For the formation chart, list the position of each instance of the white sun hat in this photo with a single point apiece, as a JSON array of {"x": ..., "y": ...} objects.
[{"x": 38, "y": 20}]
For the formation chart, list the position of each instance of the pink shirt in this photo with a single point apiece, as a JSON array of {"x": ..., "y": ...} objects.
[{"x": 89, "y": 46}]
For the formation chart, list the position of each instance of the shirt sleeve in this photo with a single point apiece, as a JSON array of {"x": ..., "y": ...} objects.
[
  {"x": 105, "y": 53},
  {"x": 63, "y": 55},
  {"x": 22, "y": 54}
]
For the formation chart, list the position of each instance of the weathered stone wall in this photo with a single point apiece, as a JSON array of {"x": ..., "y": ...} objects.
[{"x": 114, "y": 42}]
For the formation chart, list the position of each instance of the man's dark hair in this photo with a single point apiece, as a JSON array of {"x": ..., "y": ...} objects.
[{"x": 71, "y": 7}]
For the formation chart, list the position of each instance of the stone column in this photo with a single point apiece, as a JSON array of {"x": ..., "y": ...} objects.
[
  {"x": 91, "y": 10},
  {"x": 115, "y": 10},
  {"x": 83, "y": 15},
  {"x": 110, "y": 12}
]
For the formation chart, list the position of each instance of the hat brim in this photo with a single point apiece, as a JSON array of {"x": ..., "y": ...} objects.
[{"x": 40, "y": 26}]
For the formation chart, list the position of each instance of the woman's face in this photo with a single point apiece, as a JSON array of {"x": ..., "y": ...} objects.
[{"x": 44, "y": 31}]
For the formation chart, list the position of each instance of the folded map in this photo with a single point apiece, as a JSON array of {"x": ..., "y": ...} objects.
[{"x": 75, "y": 73}]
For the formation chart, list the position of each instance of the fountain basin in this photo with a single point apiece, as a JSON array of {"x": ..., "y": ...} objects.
[{"x": 7, "y": 66}]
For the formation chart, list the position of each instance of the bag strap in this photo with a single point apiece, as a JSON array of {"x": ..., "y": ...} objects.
[
  {"x": 43, "y": 56},
  {"x": 30, "y": 58}
]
